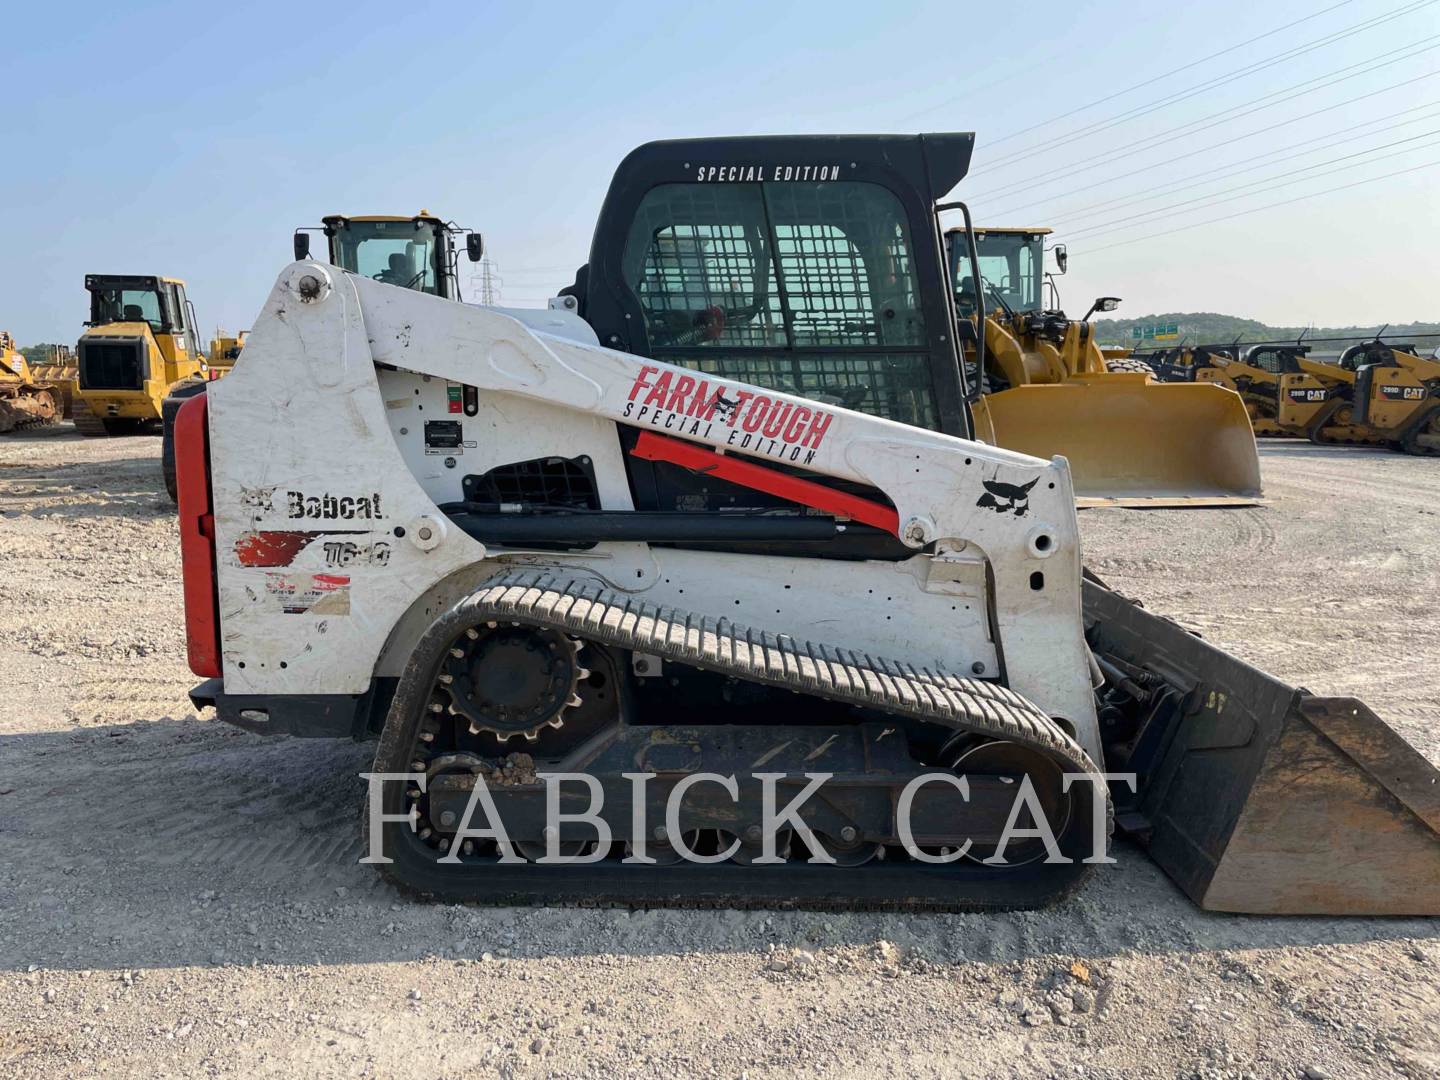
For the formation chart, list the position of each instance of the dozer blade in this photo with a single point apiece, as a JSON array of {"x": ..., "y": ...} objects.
[
  {"x": 1131, "y": 441},
  {"x": 1258, "y": 797}
]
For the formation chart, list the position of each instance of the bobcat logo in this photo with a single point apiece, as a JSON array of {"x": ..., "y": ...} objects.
[
  {"x": 724, "y": 406},
  {"x": 1007, "y": 498}
]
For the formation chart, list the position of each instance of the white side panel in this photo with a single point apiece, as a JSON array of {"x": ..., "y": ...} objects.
[
  {"x": 885, "y": 609},
  {"x": 305, "y": 457},
  {"x": 505, "y": 428}
]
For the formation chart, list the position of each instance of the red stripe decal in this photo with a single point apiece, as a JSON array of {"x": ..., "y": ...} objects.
[
  {"x": 272, "y": 548},
  {"x": 197, "y": 536},
  {"x": 652, "y": 447}
]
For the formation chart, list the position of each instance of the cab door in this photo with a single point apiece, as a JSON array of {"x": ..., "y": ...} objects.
[{"x": 187, "y": 342}]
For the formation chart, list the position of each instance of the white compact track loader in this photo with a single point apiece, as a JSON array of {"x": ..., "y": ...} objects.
[{"x": 710, "y": 537}]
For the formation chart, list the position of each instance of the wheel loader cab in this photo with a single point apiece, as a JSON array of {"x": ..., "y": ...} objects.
[
  {"x": 1012, "y": 269},
  {"x": 141, "y": 340},
  {"x": 409, "y": 252}
]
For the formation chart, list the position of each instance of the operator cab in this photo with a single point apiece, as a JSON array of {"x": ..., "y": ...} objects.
[
  {"x": 809, "y": 265},
  {"x": 408, "y": 252},
  {"x": 132, "y": 298},
  {"x": 805, "y": 264},
  {"x": 1012, "y": 269},
  {"x": 114, "y": 357}
]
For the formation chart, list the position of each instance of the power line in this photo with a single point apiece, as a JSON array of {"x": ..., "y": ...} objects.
[
  {"x": 1060, "y": 174},
  {"x": 1184, "y": 95},
  {"x": 1284, "y": 180},
  {"x": 1260, "y": 209},
  {"x": 1014, "y": 71},
  {"x": 1148, "y": 82},
  {"x": 1233, "y": 169},
  {"x": 1291, "y": 92}
]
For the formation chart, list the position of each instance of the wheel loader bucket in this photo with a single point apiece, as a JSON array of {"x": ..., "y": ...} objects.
[
  {"x": 1258, "y": 797},
  {"x": 1131, "y": 441}
]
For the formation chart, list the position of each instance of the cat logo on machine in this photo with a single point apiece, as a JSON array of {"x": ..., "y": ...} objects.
[
  {"x": 1305, "y": 394},
  {"x": 1403, "y": 393}
]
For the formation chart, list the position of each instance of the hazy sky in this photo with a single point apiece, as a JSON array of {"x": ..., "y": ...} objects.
[{"x": 186, "y": 139}]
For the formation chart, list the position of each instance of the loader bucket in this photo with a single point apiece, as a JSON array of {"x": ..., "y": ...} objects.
[
  {"x": 1131, "y": 441},
  {"x": 1258, "y": 797}
]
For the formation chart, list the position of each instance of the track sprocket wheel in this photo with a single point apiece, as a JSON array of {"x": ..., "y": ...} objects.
[{"x": 510, "y": 680}]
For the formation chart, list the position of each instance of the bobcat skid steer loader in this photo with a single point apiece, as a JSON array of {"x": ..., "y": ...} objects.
[{"x": 789, "y": 634}]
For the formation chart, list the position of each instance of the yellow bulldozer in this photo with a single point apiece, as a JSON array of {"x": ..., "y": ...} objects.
[
  {"x": 1049, "y": 388},
  {"x": 27, "y": 397},
  {"x": 224, "y": 351},
  {"x": 140, "y": 344}
]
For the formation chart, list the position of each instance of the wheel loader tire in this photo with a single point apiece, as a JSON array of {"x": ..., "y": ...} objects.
[
  {"x": 169, "y": 409},
  {"x": 1128, "y": 365}
]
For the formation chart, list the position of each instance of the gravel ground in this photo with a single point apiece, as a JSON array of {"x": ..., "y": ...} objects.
[{"x": 180, "y": 897}]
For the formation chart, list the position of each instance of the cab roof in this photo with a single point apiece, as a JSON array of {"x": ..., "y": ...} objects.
[
  {"x": 423, "y": 215},
  {"x": 108, "y": 280},
  {"x": 1014, "y": 230}
]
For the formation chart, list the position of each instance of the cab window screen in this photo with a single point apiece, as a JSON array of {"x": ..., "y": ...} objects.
[{"x": 807, "y": 288}]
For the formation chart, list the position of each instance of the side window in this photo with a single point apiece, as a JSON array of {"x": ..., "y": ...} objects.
[
  {"x": 1026, "y": 277},
  {"x": 175, "y": 300}
]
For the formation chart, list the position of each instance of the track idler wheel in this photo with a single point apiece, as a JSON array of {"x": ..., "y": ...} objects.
[{"x": 1047, "y": 779}]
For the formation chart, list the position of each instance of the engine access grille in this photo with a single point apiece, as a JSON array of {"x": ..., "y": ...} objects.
[
  {"x": 548, "y": 482},
  {"x": 111, "y": 365}
]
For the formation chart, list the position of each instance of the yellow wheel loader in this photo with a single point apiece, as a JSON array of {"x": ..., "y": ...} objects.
[
  {"x": 27, "y": 398},
  {"x": 696, "y": 588},
  {"x": 1050, "y": 389},
  {"x": 141, "y": 343},
  {"x": 420, "y": 252}
]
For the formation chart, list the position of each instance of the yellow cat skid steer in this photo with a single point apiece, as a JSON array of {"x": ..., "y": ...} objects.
[
  {"x": 712, "y": 537},
  {"x": 1375, "y": 395},
  {"x": 1050, "y": 389}
]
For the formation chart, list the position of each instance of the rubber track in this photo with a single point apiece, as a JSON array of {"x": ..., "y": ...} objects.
[
  {"x": 86, "y": 422},
  {"x": 581, "y": 607}
]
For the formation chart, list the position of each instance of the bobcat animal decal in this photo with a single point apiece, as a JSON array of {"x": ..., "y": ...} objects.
[{"x": 1007, "y": 498}]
